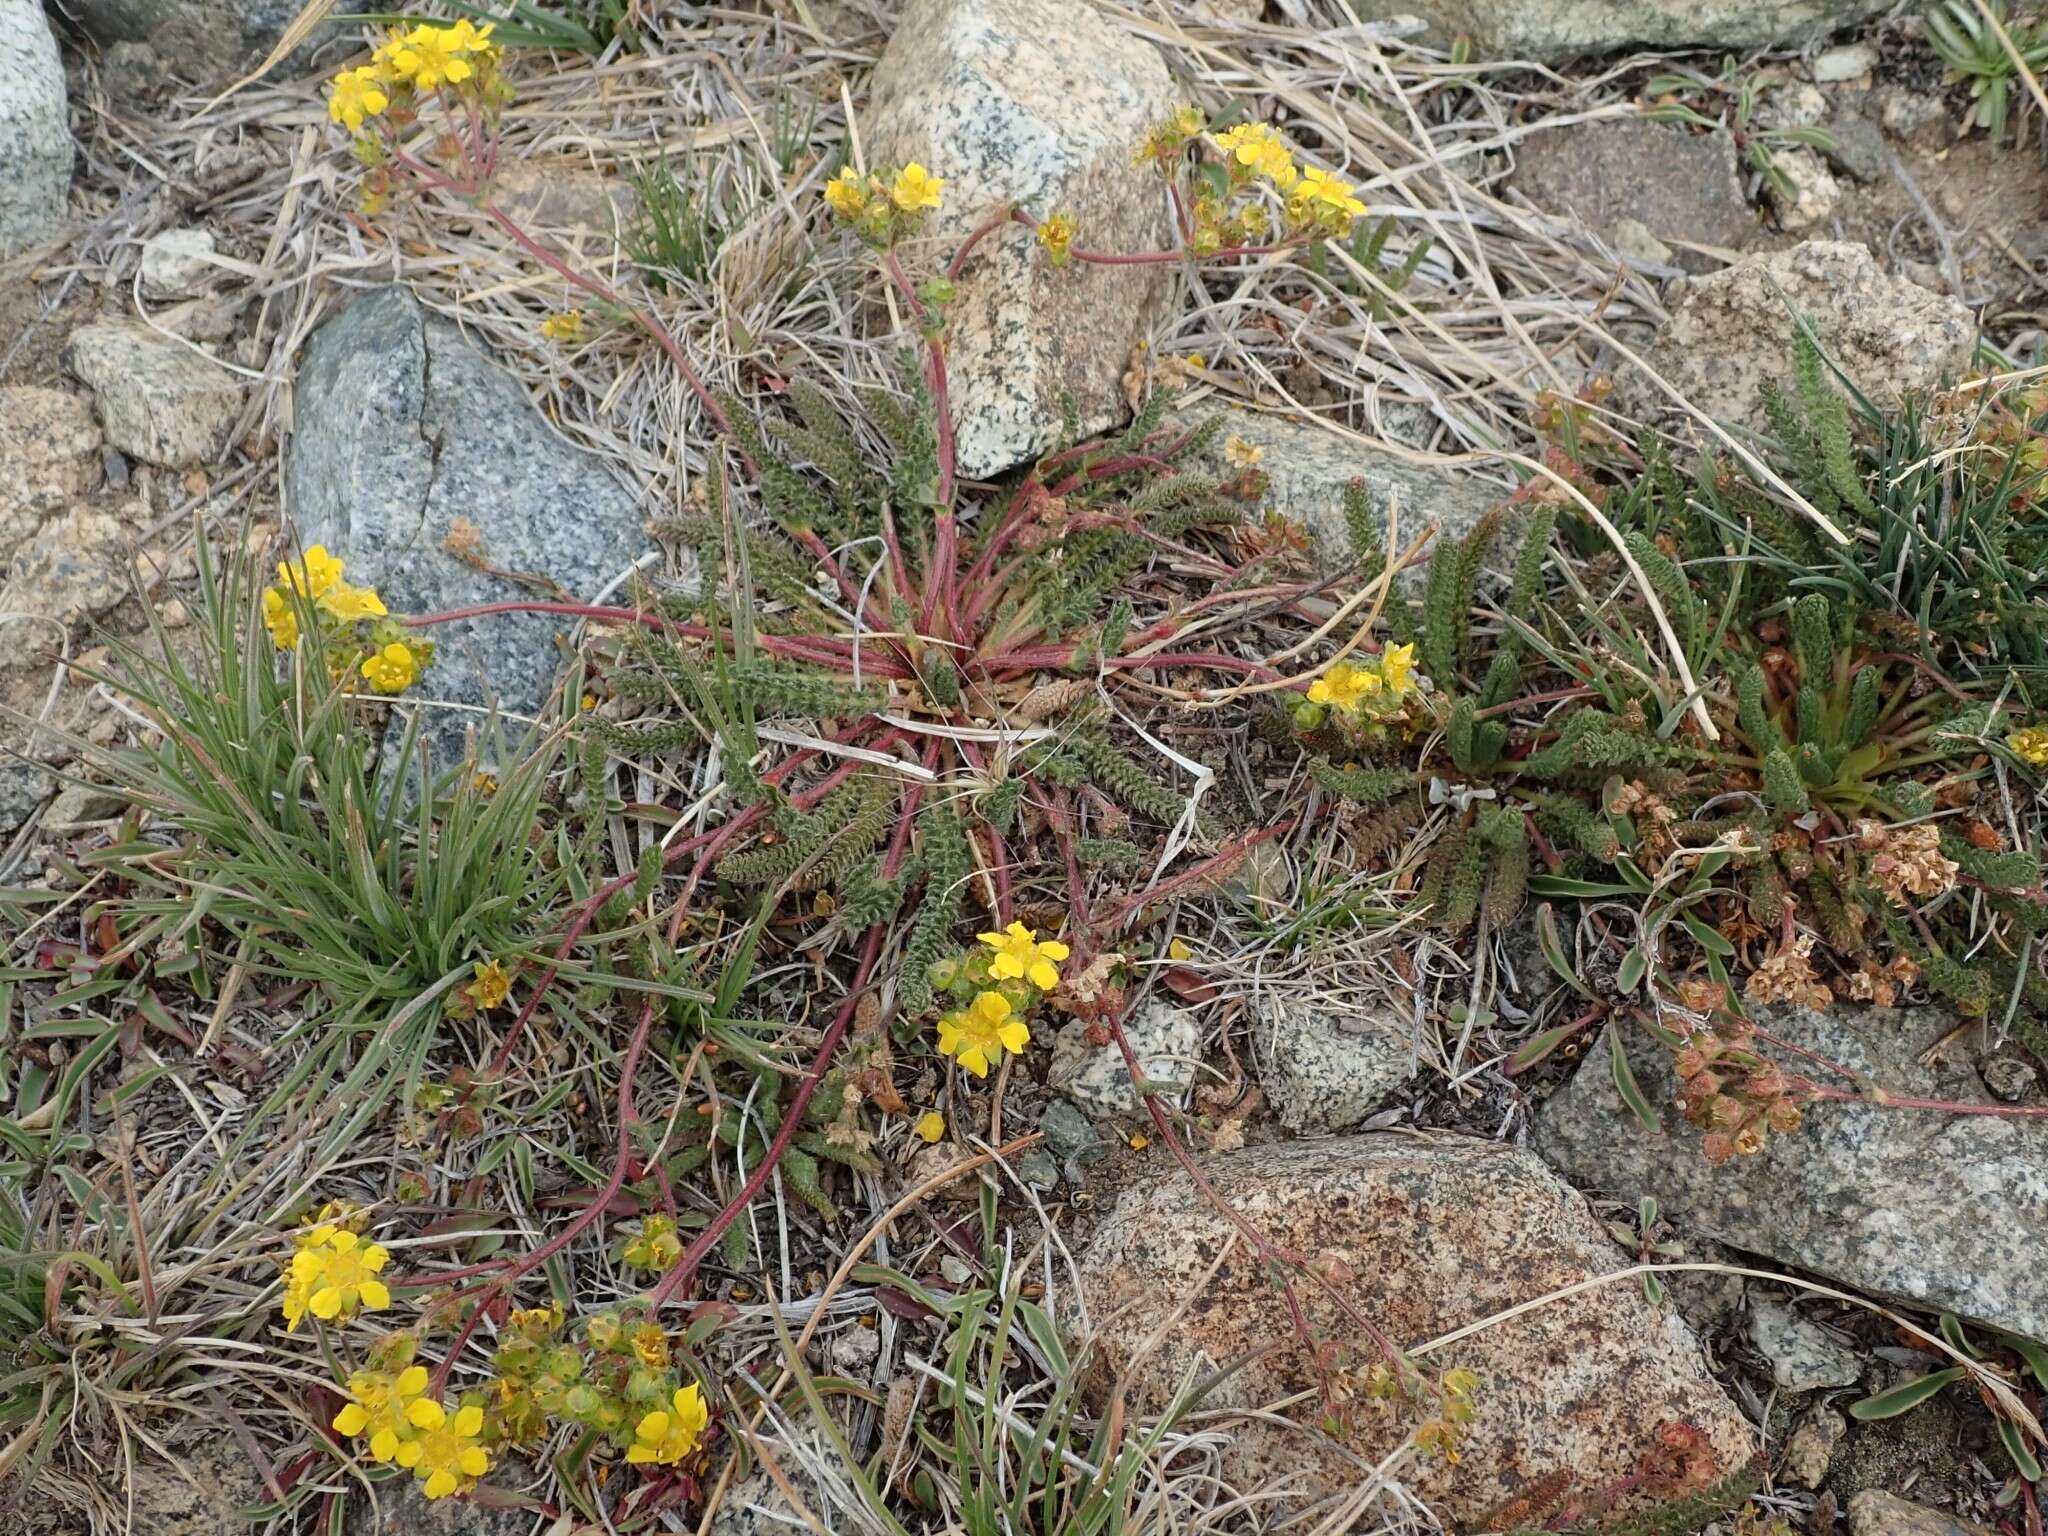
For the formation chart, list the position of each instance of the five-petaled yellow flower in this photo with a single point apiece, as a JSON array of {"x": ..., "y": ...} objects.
[
  {"x": 982, "y": 1031},
  {"x": 915, "y": 188},
  {"x": 1258, "y": 148},
  {"x": 391, "y": 670},
  {"x": 2030, "y": 745},
  {"x": 281, "y": 619},
  {"x": 1056, "y": 233},
  {"x": 664, "y": 1438},
  {"x": 1344, "y": 686},
  {"x": 337, "y": 1272},
  {"x": 847, "y": 193},
  {"x": 1321, "y": 187},
  {"x": 358, "y": 94},
  {"x": 492, "y": 985},
  {"x": 431, "y": 56},
  {"x": 1397, "y": 668},
  {"x": 349, "y": 603},
  {"x": 313, "y": 575},
  {"x": 387, "y": 1408},
  {"x": 446, "y": 1455},
  {"x": 1019, "y": 956}
]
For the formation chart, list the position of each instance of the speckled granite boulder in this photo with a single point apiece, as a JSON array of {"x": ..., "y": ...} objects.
[
  {"x": 35, "y": 134},
  {"x": 159, "y": 400},
  {"x": 400, "y": 428},
  {"x": 1551, "y": 30},
  {"x": 1166, "y": 1040},
  {"x": 1326, "y": 1071},
  {"x": 1432, "y": 1235},
  {"x": 1038, "y": 103},
  {"x": 1307, "y": 468},
  {"x": 1731, "y": 331},
  {"x": 1946, "y": 1211}
]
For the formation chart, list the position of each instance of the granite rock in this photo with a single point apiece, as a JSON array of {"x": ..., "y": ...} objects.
[
  {"x": 1308, "y": 467},
  {"x": 1942, "y": 1211},
  {"x": 1808, "y": 198},
  {"x": 35, "y": 130},
  {"x": 207, "y": 42},
  {"x": 1851, "y": 61},
  {"x": 158, "y": 400},
  {"x": 405, "y": 436},
  {"x": 1326, "y": 1071},
  {"x": 1553, "y": 30},
  {"x": 1810, "y": 1448},
  {"x": 49, "y": 457},
  {"x": 1804, "y": 1356},
  {"x": 1038, "y": 103},
  {"x": 1876, "y": 1513},
  {"x": 1732, "y": 330},
  {"x": 24, "y": 786},
  {"x": 1428, "y": 1236},
  {"x": 1166, "y": 1040},
  {"x": 1679, "y": 186},
  {"x": 401, "y": 1509},
  {"x": 175, "y": 262}
]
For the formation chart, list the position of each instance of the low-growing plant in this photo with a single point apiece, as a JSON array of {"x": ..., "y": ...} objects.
[{"x": 1966, "y": 39}]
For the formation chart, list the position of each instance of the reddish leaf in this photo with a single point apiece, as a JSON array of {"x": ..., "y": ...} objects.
[{"x": 1187, "y": 985}]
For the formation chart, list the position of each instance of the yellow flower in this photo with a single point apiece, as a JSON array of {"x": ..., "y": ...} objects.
[
  {"x": 391, "y": 670},
  {"x": 1240, "y": 454},
  {"x": 566, "y": 326},
  {"x": 1397, "y": 668},
  {"x": 979, "y": 1033},
  {"x": 1259, "y": 149},
  {"x": 357, "y": 94},
  {"x": 656, "y": 1246},
  {"x": 313, "y": 575},
  {"x": 445, "y": 1456},
  {"x": 1018, "y": 954},
  {"x": 931, "y": 1125},
  {"x": 349, "y": 603},
  {"x": 1187, "y": 121},
  {"x": 847, "y": 193},
  {"x": 431, "y": 57},
  {"x": 491, "y": 987},
  {"x": 1177, "y": 949},
  {"x": 2030, "y": 745},
  {"x": 1056, "y": 233},
  {"x": 474, "y": 39},
  {"x": 915, "y": 188},
  {"x": 281, "y": 619},
  {"x": 387, "y": 1408},
  {"x": 1321, "y": 187},
  {"x": 1344, "y": 686},
  {"x": 663, "y": 1439},
  {"x": 338, "y": 1273}
]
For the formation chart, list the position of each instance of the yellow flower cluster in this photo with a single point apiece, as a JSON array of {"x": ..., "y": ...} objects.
[
  {"x": 387, "y": 1399},
  {"x": 886, "y": 204},
  {"x": 1375, "y": 689},
  {"x": 1224, "y": 207},
  {"x": 428, "y": 57},
  {"x": 333, "y": 1272},
  {"x": 312, "y": 587},
  {"x": 2030, "y": 745},
  {"x": 565, "y": 326},
  {"x": 665, "y": 1436},
  {"x": 1006, "y": 981},
  {"x": 655, "y": 1247}
]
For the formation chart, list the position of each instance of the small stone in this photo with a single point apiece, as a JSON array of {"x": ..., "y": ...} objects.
[
  {"x": 1859, "y": 149},
  {"x": 1677, "y": 186},
  {"x": 24, "y": 786},
  {"x": 1038, "y": 1169},
  {"x": 854, "y": 1349},
  {"x": 1876, "y": 1513},
  {"x": 35, "y": 129},
  {"x": 954, "y": 1270},
  {"x": 75, "y": 568},
  {"x": 1851, "y": 61},
  {"x": 1905, "y": 112},
  {"x": 1732, "y": 330},
  {"x": 81, "y": 805},
  {"x": 1948, "y": 1212},
  {"x": 1426, "y": 1238},
  {"x": 49, "y": 457},
  {"x": 1632, "y": 238},
  {"x": 1326, "y": 1071},
  {"x": 1039, "y": 103},
  {"x": 1792, "y": 104},
  {"x": 1804, "y": 1358},
  {"x": 1167, "y": 1042},
  {"x": 1812, "y": 1446},
  {"x": 942, "y": 1157},
  {"x": 1813, "y": 190},
  {"x": 2009, "y": 1078},
  {"x": 1070, "y": 1135},
  {"x": 158, "y": 401},
  {"x": 174, "y": 263}
]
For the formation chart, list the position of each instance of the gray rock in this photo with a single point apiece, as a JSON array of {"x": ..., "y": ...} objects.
[
  {"x": 1791, "y": 104},
  {"x": 1859, "y": 148},
  {"x": 1732, "y": 330},
  {"x": 1307, "y": 468},
  {"x": 1325, "y": 1071},
  {"x": 1166, "y": 1040},
  {"x": 24, "y": 786},
  {"x": 49, "y": 458},
  {"x": 1038, "y": 103},
  {"x": 35, "y": 130},
  {"x": 1070, "y": 1135},
  {"x": 1424, "y": 1238},
  {"x": 1804, "y": 1356},
  {"x": 208, "y": 42},
  {"x": 1851, "y": 61},
  {"x": 158, "y": 400},
  {"x": 2009, "y": 1078},
  {"x": 1905, "y": 112},
  {"x": 1876, "y": 1513},
  {"x": 174, "y": 262},
  {"x": 1946, "y": 1211},
  {"x": 1808, "y": 198},
  {"x": 401, "y": 430},
  {"x": 1811, "y": 1447},
  {"x": 1681, "y": 187},
  {"x": 1552, "y": 30},
  {"x": 400, "y": 1509}
]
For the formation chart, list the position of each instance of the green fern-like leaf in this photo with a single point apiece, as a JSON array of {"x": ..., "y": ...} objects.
[{"x": 1784, "y": 787}]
